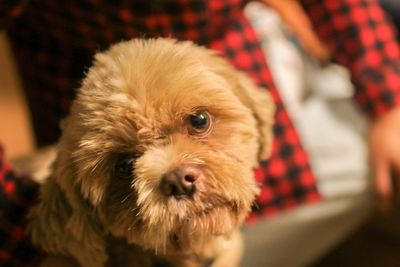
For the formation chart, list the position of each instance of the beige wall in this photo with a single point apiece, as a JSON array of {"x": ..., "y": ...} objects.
[{"x": 15, "y": 129}]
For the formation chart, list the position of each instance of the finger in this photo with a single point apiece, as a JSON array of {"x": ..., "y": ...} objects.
[
  {"x": 395, "y": 177},
  {"x": 293, "y": 15},
  {"x": 382, "y": 182},
  {"x": 396, "y": 185},
  {"x": 312, "y": 44}
]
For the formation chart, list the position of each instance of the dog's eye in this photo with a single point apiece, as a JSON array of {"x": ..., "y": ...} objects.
[
  {"x": 124, "y": 167},
  {"x": 199, "y": 123}
]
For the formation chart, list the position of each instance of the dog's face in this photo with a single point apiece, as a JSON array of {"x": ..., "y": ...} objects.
[{"x": 161, "y": 143}]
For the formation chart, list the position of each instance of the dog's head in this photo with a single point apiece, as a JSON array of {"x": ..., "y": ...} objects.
[{"x": 161, "y": 143}]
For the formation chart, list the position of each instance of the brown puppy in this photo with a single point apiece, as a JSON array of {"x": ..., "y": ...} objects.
[{"x": 154, "y": 166}]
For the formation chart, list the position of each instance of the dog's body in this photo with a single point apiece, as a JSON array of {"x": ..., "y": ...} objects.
[{"x": 155, "y": 161}]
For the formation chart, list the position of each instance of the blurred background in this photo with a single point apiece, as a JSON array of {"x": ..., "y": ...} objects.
[{"x": 16, "y": 132}]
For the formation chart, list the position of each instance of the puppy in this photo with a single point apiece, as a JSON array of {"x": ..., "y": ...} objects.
[{"x": 154, "y": 166}]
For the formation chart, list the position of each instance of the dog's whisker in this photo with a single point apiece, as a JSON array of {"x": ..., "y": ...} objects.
[
  {"x": 256, "y": 205},
  {"x": 138, "y": 213},
  {"x": 126, "y": 198},
  {"x": 134, "y": 209},
  {"x": 132, "y": 225}
]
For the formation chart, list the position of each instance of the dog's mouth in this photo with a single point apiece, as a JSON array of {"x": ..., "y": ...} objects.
[
  {"x": 199, "y": 205},
  {"x": 231, "y": 206},
  {"x": 205, "y": 221},
  {"x": 174, "y": 239},
  {"x": 184, "y": 224}
]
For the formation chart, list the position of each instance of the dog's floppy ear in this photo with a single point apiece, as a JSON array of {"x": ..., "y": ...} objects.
[
  {"x": 49, "y": 217},
  {"x": 262, "y": 105},
  {"x": 257, "y": 99},
  {"x": 63, "y": 224}
]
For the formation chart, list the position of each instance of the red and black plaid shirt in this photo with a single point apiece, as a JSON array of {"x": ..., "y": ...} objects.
[
  {"x": 17, "y": 196},
  {"x": 54, "y": 41}
]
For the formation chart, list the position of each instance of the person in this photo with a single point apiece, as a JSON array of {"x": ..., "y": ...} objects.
[
  {"x": 360, "y": 36},
  {"x": 54, "y": 42}
]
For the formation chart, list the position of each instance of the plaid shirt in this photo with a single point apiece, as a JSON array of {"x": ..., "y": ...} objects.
[
  {"x": 17, "y": 196},
  {"x": 54, "y": 41}
]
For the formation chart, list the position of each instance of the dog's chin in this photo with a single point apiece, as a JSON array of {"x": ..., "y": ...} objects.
[{"x": 186, "y": 230}]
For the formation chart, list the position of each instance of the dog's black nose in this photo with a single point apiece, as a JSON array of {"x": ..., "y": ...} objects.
[{"x": 180, "y": 181}]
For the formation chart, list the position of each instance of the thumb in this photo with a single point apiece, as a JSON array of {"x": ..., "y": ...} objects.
[{"x": 382, "y": 181}]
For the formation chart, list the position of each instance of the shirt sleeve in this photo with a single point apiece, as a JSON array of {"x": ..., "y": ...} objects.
[
  {"x": 362, "y": 38},
  {"x": 10, "y": 10}
]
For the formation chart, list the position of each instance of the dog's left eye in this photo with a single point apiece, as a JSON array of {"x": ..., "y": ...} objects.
[
  {"x": 124, "y": 167},
  {"x": 199, "y": 123}
]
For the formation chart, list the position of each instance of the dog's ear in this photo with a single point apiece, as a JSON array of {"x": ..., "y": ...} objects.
[
  {"x": 257, "y": 99},
  {"x": 262, "y": 105},
  {"x": 62, "y": 223},
  {"x": 49, "y": 217}
]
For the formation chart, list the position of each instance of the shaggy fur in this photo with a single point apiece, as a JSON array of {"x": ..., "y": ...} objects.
[{"x": 135, "y": 100}]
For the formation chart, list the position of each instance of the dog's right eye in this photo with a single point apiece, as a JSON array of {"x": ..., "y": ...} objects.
[
  {"x": 124, "y": 167},
  {"x": 200, "y": 123}
]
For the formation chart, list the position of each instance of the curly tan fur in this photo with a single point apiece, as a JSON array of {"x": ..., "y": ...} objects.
[{"x": 134, "y": 100}]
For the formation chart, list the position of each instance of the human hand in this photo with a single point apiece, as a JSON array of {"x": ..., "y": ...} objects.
[
  {"x": 384, "y": 144},
  {"x": 293, "y": 15}
]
